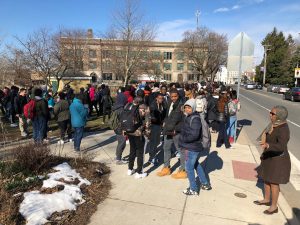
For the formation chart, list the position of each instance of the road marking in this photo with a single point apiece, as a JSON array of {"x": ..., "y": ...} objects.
[
  {"x": 295, "y": 124},
  {"x": 294, "y": 160}
]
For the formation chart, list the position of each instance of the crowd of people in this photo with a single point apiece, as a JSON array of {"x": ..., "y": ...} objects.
[{"x": 176, "y": 120}]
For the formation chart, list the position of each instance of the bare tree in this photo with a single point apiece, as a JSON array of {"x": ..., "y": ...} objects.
[
  {"x": 54, "y": 55},
  {"x": 207, "y": 50},
  {"x": 130, "y": 37}
]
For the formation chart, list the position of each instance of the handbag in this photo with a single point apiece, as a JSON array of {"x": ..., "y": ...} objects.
[{"x": 270, "y": 154}]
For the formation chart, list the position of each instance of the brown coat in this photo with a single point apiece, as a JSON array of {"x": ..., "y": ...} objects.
[{"x": 277, "y": 170}]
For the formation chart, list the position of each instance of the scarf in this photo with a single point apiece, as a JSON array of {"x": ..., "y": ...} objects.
[{"x": 268, "y": 130}]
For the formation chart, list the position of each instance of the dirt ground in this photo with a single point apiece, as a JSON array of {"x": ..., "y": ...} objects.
[{"x": 96, "y": 173}]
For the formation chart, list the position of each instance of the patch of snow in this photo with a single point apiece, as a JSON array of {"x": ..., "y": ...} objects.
[{"x": 37, "y": 207}]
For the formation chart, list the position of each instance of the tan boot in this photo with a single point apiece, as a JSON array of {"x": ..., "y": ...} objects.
[
  {"x": 165, "y": 171},
  {"x": 181, "y": 174}
]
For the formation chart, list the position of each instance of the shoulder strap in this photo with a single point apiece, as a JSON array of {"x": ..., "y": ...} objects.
[{"x": 193, "y": 116}]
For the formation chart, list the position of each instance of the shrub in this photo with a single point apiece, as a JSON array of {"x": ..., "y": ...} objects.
[{"x": 32, "y": 157}]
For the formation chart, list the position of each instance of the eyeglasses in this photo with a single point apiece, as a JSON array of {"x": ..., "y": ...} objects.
[{"x": 272, "y": 113}]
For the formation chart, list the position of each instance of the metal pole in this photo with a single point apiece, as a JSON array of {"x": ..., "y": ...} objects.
[
  {"x": 239, "y": 79},
  {"x": 265, "y": 65}
]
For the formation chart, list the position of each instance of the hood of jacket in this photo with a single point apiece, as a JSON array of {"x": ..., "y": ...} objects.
[{"x": 191, "y": 103}]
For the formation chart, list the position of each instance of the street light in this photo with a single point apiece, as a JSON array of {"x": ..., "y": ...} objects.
[
  {"x": 198, "y": 13},
  {"x": 266, "y": 49}
]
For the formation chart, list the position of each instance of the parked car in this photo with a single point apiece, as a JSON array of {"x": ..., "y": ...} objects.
[
  {"x": 250, "y": 86},
  {"x": 293, "y": 94},
  {"x": 259, "y": 86},
  {"x": 282, "y": 89},
  {"x": 275, "y": 88}
]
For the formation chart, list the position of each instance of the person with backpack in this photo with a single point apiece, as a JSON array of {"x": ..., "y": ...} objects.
[
  {"x": 223, "y": 116},
  {"x": 134, "y": 124},
  {"x": 78, "y": 120},
  {"x": 19, "y": 104},
  {"x": 62, "y": 113},
  {"x": 190, "y": 141},
  {"x": 158, "y": 114},
  {"x": 171, "y": 131},
  {"x": 212, "y": 111},
  {"x": 38, "y": 111},
  {"x": 115, "y": 124},
  {"x": 233, "y": 107}
]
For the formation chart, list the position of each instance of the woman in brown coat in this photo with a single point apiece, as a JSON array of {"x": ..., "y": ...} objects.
[{"x": 275, "y": 166}]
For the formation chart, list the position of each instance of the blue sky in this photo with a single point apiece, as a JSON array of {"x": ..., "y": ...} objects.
[{"x": 173, "y": 17}]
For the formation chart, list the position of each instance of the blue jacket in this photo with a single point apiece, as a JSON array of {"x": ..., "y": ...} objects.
[
  {"x": 190, "y": 135},
  {"x": 78, "y": 113}
]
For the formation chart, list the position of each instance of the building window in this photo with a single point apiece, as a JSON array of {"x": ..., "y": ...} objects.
[
  {"x": 192, "y": 77},
  {"x": 167, "y": 55},
  {"x": 119, "y": 77},
  {"x": 106, "y": 65},
  {"x": 92, "y": 53},
  {"x": 79, "y": 52},
  {"x": 167, "y": 76},
  {"x": 157, "y": 66},
  {"x": 180, "y": 55},
  {"x": 107, "y": 76},
  {"x": 144, "y": 55},
  {"x": 180, "y": 66},
  {"x": 191, "y": 66},
  {"x": 156, "y": 54},
  {"x": 106, "y": 54},
  {"x": 92, "y": 65},
  {"x": 167, "y": 66}
]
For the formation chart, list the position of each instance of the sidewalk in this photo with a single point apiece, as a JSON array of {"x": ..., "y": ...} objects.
[{"x": 159, "y": 200}]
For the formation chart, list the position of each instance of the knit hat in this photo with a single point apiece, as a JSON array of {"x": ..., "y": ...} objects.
[{"x": 191, "y": 103}]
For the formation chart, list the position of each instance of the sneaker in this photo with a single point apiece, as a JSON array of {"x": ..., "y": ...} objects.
[
  {"x": 188, "y": 191},
  {"x": 153, "y": 162},
  {"x": 206, "y": 187},
  {"x": 24, "y": 134},
  {"x": 46, "y": 140},
  {"x": 130, "y": 172},
  {"x": 178, "y": 154},
  {"x": 121, "y": 162},
  {"x": 61, "y": 142},
  {"x": 179, "y": 175},
  {"x": 13, "y": 125},
  {"x": 140, "y": 175},
  {"x": 71, "y": 140},
  {"x": 164, "y": 172}
]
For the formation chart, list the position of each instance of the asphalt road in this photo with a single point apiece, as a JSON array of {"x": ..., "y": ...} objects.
[{"x": 254, "y": 117}]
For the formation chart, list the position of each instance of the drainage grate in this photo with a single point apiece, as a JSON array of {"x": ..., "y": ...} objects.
[{"x": 240, "y": 195}]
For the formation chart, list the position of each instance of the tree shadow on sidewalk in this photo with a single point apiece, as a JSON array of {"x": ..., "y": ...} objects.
[
  {"x": 103, "y": 143},
  {"x": 241, "y": 124}
]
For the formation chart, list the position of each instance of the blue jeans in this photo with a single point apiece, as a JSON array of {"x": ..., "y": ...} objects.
[
  {"x": 231, "y": 127},
  {"x": 168, "y": 145},
  {"x": 192, "y": 164},
  {"x": 78, "y": 134},
  {"x": 39, "y": 125}
]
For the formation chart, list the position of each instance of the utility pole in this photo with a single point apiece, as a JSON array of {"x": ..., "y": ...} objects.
[
  {"x": 198, "y": 13},
  {"x": 266, "y": 49}
]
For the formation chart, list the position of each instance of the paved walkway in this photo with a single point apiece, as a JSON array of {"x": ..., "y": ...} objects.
[{"x": 159, "y": 200}]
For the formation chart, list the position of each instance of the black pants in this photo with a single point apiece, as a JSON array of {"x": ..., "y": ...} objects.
[
  {"x": 121, "y": 146},
  {"x": 136, "y": 151},
  {"x": 65, "y": 127},
  {"x": 222, "y": 136}
]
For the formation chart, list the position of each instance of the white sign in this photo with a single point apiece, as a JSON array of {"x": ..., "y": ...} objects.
[{"x": 297, "y": 72}]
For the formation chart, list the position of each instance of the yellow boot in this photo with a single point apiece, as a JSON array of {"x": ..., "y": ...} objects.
[
  {"x": 181, "y": 174},
  {"x": 165, "y": 171}
]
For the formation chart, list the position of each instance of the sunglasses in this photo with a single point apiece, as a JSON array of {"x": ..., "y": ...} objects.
[{"x": 272, "y": 113}]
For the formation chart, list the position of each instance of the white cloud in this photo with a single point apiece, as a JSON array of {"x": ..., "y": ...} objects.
[
  {"x": 236, "y": 7},
  {"x": 225, "y": 9},
  {"x": 173, "y": 30}
]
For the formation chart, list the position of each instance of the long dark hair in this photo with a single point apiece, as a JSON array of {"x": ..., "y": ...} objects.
[{"x": 221, "y": 103}]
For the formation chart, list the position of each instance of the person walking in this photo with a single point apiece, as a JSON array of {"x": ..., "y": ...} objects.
[
  {"x": 41, "y": 115},
  {"x": 275, "y": 167},
  {"x": 62, "y": 113},
  {"x": 190, "y": 143},
  {"x": 171, "y": 130},
  {"x": 19, "y": 104},
  {"x": 78, "y": 120},
  {"x": 233, "y": 108}
]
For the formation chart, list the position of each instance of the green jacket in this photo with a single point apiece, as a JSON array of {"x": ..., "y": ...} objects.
[{"x": 61, "y": 110}]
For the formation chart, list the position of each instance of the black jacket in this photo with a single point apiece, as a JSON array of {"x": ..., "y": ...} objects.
[
  {"x": 41, "y": 108},
  {"x": 158, "y": 113},
  {"x": 19, "y": 104},
  {"x": 118, "y": 108},
  {"x": 173, "y": 121},
  {"x": 212, "y": 111},
  {"x": 190, "y": 135}
]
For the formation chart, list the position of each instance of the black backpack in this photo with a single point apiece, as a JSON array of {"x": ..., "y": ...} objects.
[{"x": 130, "y": 118}]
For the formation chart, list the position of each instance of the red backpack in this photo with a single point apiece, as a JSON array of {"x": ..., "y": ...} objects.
[{"x": 29, "y": 109}]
